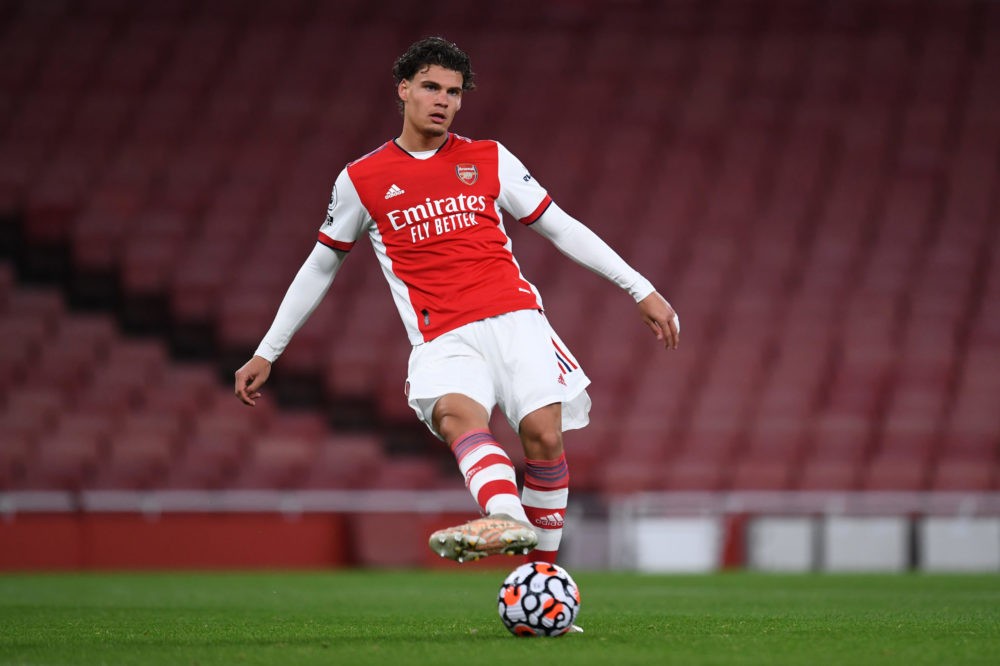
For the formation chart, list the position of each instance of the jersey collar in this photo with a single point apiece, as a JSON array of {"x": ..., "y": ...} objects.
[{"x": 448, "y": 142}]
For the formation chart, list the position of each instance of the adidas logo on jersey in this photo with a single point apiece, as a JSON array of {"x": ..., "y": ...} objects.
[
  {"x": 553, "y": 520},
  {"x": 394, "y": 191}
]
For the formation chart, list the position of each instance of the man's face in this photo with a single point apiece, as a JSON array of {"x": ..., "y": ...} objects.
[{"x": 431, "y": 99}]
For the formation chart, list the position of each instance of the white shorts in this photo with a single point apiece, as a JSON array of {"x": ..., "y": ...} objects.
[{"x": 514, "y": 361}]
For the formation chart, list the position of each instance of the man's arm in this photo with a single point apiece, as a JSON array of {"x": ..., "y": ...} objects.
[
  {"x": 304, "y": 294},
  {"x": 586, "y": 248}
]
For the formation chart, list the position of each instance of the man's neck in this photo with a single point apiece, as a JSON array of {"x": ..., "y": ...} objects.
[{"x": 414, "y": 142}]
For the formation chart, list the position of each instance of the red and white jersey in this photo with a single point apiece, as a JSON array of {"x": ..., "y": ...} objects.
[{"x": 437, "y": 229}]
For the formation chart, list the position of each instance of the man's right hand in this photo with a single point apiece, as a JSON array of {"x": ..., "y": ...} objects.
[{"x": 250, "y": 378}]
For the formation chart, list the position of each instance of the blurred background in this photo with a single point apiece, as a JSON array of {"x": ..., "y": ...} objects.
[{"x": 812, "y": 184}]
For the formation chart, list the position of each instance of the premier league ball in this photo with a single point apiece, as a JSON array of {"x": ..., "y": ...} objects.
[{"x": 539, "y": 599}]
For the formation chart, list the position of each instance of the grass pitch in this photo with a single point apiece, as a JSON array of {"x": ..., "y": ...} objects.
[{"x": 441, "y": 618}]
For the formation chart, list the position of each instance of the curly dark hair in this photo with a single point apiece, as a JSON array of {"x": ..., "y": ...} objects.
[{"x": 434, "y": 51}]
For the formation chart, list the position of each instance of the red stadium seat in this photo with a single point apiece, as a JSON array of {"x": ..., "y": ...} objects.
[
  {"x": 627, "y": 475},
  {"x": 23, "y": 425},
  {"x": 277, "y": 461},
  {"x": 345, "y": 461},
  {"x": 93, "y": 332},
  {"x": 16, "y": 359},
  {"x": 65, "y": 367},
  {"x": 183, "y": 392},
  {"x": 147, "y": 264},
  {"x": 45, "y": 305},
  {"x": 209, "y": 460},
  {"x": 42, "y": 405},
  {"x": 410, "y": 474},
  {"x": 895, "y": 473},
  {"x": 14, "y": 455},
  {"x": 136, "y": 462},
  {"x": 829, "y": 474},
  {"x": 695, "y": 473},
  {"x": 957, "y": 474},
  {"x": 94, "y": 425},
  {"x": 762, "y": 474},
  {"x": 777, "y": 438},
  {"x": 66, "y": 461},
  {"x": 841, "y": 437}
]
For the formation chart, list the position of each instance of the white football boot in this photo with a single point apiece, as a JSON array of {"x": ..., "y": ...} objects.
[{"x": 490, "y": 535}]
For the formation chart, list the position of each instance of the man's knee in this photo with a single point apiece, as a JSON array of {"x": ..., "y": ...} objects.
[
  {"x": 541, "y": 433},
  {"x": 546, "y": 445},
  {"x": 455, "y": 414}
]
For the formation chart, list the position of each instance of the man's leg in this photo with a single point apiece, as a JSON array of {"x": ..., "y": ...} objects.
[
  {"x": 546, "y": 478},
  {"x": 489, "y": 475}
]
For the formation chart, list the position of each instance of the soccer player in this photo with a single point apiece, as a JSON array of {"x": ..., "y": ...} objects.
[{"x": 430, "y": 202}]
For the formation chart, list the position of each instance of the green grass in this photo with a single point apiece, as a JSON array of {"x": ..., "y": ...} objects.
[{"x": 405, "y": 618}]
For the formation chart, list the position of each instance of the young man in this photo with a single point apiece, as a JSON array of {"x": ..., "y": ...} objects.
[{"x": 430, "y": 203}]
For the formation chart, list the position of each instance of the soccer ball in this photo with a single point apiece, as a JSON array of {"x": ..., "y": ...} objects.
[{"x": 538, "y": 599}]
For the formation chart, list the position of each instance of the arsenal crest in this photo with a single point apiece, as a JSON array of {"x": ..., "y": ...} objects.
[{"x": 467, "y": 173}]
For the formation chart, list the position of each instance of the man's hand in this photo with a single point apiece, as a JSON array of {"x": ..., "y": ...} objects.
[
  {"x": 250, "y": 378},
  {"x": 661, "y": 319}
]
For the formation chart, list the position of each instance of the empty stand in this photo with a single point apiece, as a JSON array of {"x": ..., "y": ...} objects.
[{"x": 813, "y": 186}]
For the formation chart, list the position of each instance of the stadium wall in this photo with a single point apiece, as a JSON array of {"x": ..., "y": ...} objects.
[
  {"x": 809, "y": 531},
  {"x": 56, "y": 531},
  {"x": 663, "y": 533}
]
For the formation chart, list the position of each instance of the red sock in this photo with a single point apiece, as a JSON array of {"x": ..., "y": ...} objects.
[
  {"x": 489, "y": 473},
  {"x": 546, "y": 491}
]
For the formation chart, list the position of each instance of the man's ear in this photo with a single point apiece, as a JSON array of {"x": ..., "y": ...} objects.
[{"x": 403, "y": 90}]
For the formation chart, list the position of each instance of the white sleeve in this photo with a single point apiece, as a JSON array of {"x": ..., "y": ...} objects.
[
  {"x": 520, "y": 194},
  {"x": 346, "y": 217},
  {"x": 304, "y": 294},
  {"x": 586, "y": 248}
]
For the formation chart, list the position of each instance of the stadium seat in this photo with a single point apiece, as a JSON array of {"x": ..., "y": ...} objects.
[
  {"x": 136, "y": 461},
  {"x": 895, "y": 473},
  {"x": 97, "y": 426},
  {"x": 44, "y": 305},
  {"x": 629, "y": 475},
  {"x": 762, "y": 474},
  {"x": 209, "y": 460},
  {"x": 776, "y": 438},
  {"x": 23, "y": 425},
  {"x": 695, "y": 472},
  {"x": 15, "y": 360},
  {"x": 147, "y": 264},
  {"x": 196, "y": 286},
  {"x": 183, "y": 391},
  {"x": 65, "y": 367},
  {"x": 842, "y": 436},
  {"x": 344, "y": 461},
  {"x": 65, "y": 461},
  {"x": 829, "y": 474},
  {"x": 42, "y": 404},
  {"x": 96, "y": 239},
  {"x": 965, "y": 475},
  {"x": 91, "y": 332},
  {"x": 14, "y": 456},
  {"x": 142, "y": 424},
  {"x": 276, "y": 461},
  {"x": 411, "y": 473}
]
